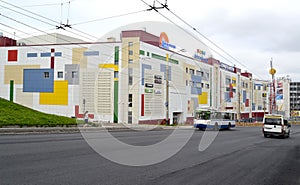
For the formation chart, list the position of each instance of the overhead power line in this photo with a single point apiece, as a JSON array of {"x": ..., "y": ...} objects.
[
  {"x": 165, "y": 6},
  {"x": 196, "y": 38},
  {"x": 110, "y": 17},
  {"x": 185, "y": 22}
]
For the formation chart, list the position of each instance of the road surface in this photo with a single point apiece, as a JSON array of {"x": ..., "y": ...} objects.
[{"x": 240, "y": 156}]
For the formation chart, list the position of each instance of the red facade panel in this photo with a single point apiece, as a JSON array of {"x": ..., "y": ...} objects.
[{"x": 12, "y": 56}]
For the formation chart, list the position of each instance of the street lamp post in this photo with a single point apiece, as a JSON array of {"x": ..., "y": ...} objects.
[{"x": 167, "y": 89}]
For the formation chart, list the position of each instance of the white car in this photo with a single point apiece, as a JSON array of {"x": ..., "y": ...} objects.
[{"x": 275, "y": 125}]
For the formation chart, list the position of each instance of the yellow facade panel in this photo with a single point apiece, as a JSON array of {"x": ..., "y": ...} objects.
[
  {"x": 59, "y": 95},
  {"x": 112, "y": 66},
  {"x": 202, "y": 99},
  {"x": 15, "y": 73},
  {"x": 78, "y": 57}
]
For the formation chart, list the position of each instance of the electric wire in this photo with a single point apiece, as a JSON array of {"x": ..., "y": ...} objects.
[
  {"x": 110, "y": 17},
  {"x": 193, "y": 28}
]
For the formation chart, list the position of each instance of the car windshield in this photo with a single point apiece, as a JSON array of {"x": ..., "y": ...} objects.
[{"x": 273, "y": 121}]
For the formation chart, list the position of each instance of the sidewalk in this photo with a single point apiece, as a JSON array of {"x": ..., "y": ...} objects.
[{"x": 88, "y": 127}]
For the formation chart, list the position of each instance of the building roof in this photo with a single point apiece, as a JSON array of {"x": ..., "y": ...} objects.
[{"x": 51, "y": 38}]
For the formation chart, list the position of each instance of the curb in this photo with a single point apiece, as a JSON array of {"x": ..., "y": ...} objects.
[{"x": 40, "y": 130}]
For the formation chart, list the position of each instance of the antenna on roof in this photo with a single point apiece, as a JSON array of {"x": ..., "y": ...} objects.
[
  {"x": 68, "y": 25},
  {"x": 62, "y": 26}
]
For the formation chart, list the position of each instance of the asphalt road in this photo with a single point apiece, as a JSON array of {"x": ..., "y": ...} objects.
[{"x": 241, "y": 156}]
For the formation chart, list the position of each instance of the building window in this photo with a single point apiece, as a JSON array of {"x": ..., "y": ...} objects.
[
  {"x": 207, "y": 75},
  {"x": 130, "y": 61},
  {"x": 187, "y": 70},
  {"x": 246, "y": 85},
  {"x": 129, "y": 100},
  {"x": 253, "y": 106},
  {"x": 187, "y": 83},
  {"x": 264, "y": 87},
  {"x": 234, "y": 82},
  {"x": 46, "y": 75},
  {"x": 130, "y": 76},
  {"x": 192, "y": 71},
  {"x": 60, "y": 74},
  {"x": 207, "y": 86},
  {"x": 228, "y": 81},
  {"x": 130, "y": 44},
  {"x": 130, "y": 52},
  {"x": 199, "y": 73},
  {"x": 74, "y": 74},
  {"x": 130, "y": 117},
  {"x": 116, "y": 74}
]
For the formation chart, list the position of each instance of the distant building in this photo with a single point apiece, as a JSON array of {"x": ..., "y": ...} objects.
[{"x": 295, "y": 99}]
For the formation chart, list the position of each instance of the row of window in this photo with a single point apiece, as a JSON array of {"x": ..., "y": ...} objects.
[
  {"x": 196, "y": 84},
  {"x": 294, "y": 89},
  {"x": 60, "y": 74},
  {"x": 198, "y": 73}
]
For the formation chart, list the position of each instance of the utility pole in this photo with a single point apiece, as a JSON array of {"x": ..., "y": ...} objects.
[
  {"x": 167, "y": 89},
  {"x": 272, "y": 89}
]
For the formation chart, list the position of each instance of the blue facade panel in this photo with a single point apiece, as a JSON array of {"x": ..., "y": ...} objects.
[
  {"x": 196, "y": 90},
  {"x": 91, "y": 53},
  {"x": 145, "y": 66},
  {"x": 38, "y": 80},
  {"x": 196, "y": 84},
  {"x": 58, "y": 54},
  {"x": 29, "y": 55},
  {"x": 163, "y": 68},
  {"x": 196, "y": 79},
  {"x": 46, "y": 54}
]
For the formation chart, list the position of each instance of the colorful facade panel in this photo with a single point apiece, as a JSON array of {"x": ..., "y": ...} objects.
[
  {"x": 15, "y": 72},
  {"x": 38, "y": 80},
  {"x": 203, "y": 98},
  {"x": 59, "y": 95},
  {"x": 12, "y": 56},
  {"x": 72, "y": 73},
  {"x": 78, "y": 57}
]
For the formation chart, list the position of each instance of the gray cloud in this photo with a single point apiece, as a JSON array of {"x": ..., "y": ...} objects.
[{"x": 261, "y": 30}]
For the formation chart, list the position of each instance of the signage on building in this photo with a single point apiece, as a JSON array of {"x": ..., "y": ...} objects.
[
  {"x": 149, "y": 90},
  {"x": 158, "y": 79},
  {"x": 164, "y": 42},
  {"x": 200, "y": 54},
  {"x": 157, "y": 91},
  {"x": 227, "y": 67},
  {"x": 149, "y": 85}
]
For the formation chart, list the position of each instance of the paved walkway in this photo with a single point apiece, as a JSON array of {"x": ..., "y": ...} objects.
[{"x": 88, "y": 127}]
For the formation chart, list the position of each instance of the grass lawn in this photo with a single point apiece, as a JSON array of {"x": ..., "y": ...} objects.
[{"x": 12, "y": 114}]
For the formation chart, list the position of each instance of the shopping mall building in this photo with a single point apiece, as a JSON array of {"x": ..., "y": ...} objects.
[{"x": 138, "y": 78}]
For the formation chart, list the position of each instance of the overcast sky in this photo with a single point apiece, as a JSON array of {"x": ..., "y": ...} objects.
[{"x": 250, "y": 31}]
